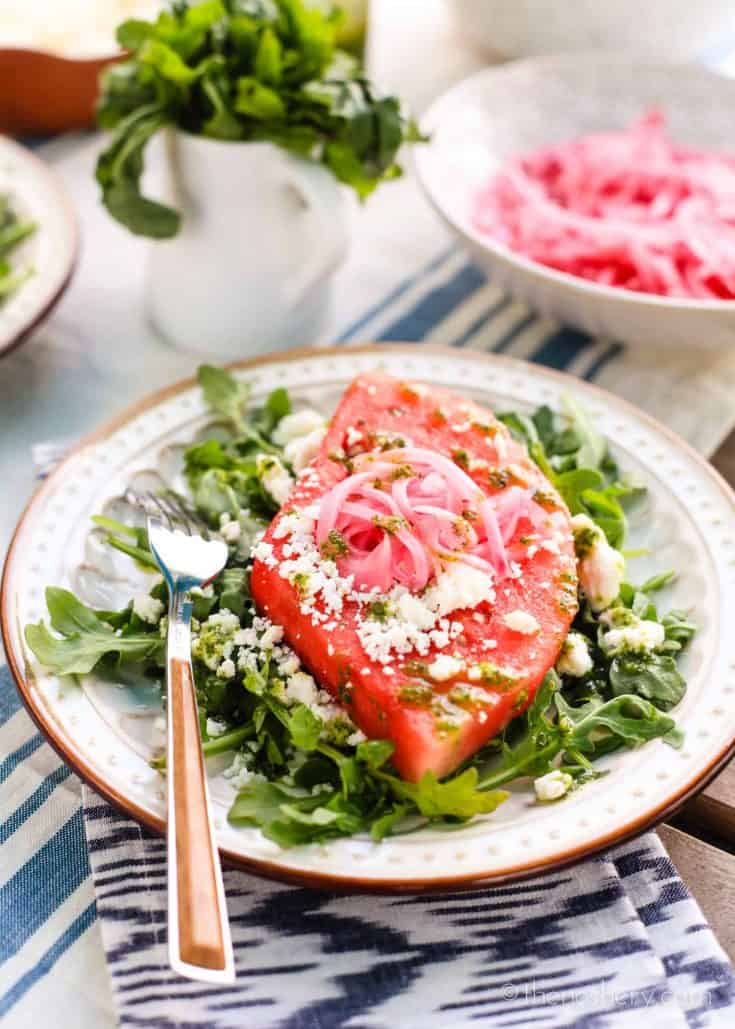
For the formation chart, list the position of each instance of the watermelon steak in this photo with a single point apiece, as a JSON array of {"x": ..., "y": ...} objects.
[{"x": 423, "y": 570}]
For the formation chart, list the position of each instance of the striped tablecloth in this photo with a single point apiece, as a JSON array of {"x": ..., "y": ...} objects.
[{"x": 611, "y": 943}]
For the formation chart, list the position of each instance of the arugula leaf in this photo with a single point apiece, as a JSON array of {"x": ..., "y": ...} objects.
[
  {"x": 678, "y": 628},
  {"x": 222, "y": 473},
  {"x": 458, "y": 797},
  {"x": 259, "y": 804},
  {"x": 524, "y": 430},
  {"x": 85, "y": 639},
  {"x": 128, "y": 539},
  {"x": 304, "y": 726},
  {"x": 374, "y": 753},
  {"x": 593, "y": 446},
  {"x": 599, "y": 727},
  {"x": 224, "y": 394},
  {"x": 384, "y": 826},
  {"x": 657, "y": 582},
  {"x": 531, "y": 742},
  {"x": 573, "y": 485},
  {"x": 650, "y": 675}
]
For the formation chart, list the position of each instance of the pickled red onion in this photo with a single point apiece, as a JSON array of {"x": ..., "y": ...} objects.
[
  {"x": 409, "y": 509},
  {"x": 623, "y": 208}
]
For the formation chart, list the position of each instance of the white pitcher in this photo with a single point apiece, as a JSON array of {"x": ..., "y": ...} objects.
[{"x": 262, "y": 232}]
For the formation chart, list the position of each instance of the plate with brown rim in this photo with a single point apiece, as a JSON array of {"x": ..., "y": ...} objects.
[{"x": 108, "y": 734}]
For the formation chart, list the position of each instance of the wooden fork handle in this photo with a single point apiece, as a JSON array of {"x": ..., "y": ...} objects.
[{"x": 200, "y": 934}]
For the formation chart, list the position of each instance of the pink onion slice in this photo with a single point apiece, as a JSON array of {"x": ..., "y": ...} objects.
[
  {"x": 629, "y": 209},
  {"x": 403, "y": 512}
]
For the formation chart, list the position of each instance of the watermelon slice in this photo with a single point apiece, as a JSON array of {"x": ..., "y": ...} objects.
[{"x": 438, "y": 667}]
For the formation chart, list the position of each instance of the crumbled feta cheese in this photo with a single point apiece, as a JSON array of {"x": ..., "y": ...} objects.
[
  {"x": 227, "y": 669},
  {"x": 419, "y": 623},
  {"x": 225, "y": 619},
  {"x": 289, "y": 665},
  {"x": 297, "y": 425},
  {"x": 630, "y": 634},
  {"x": 230, "y": 532},
  {"x": 297, "y": 523},
  {"x": 353, "y": 436},
  {"x": 263, "y": 551},
  {"x": 215, "y": 728},
  {"x": 522, "y": 621},
  {"x": 575, "y": 656},
  {"x": 148, "y": 609},
  {"x": 444, "y": 667},
  {"x": 459, "y": 586},
  {"x": 300, "y": 451},
  {"x": 301, "y": 688},
  {"x": 553, "y": 785},
  {"x": 273, "y": 634},
  {"x": 275, "y": 478},
  {"x": 215, "y": 641},
  {"x": 356, "y": 737},
  {"x": 413, "y": 610},
  {"x": 238, "y": 773},
  {"x": 601, "y": 567}
]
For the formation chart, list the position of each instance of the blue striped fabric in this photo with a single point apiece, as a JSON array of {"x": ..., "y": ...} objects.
[{"x": 592, "y": 947}]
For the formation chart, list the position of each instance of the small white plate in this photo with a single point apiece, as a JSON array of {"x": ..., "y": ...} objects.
[
  {"x": 525, "y": 105},
  {"x": 37, "y": 194},
  {"x": 107, "y": 733}
]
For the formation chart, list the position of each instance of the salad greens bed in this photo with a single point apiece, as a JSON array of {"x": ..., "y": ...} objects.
[
  {"x": 242, "y": 70},
  {"x": 305, "y": 778},
  {"x": 13, "y": 230}
]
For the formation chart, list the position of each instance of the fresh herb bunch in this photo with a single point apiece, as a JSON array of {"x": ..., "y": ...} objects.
[
  {"x": 242, "y": 70},
  {"x": 13, "y": 230},
  {"x": 306, "y": 778}
]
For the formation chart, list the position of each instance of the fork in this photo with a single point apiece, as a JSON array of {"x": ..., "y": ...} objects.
[{"x": 199, "y": 941}]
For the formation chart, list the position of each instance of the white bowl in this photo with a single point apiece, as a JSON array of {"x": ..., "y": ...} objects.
[
  {"x": 661, "y": 28},
  {"x": 520, "y": 107}
]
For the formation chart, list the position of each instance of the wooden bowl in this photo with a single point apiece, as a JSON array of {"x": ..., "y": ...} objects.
[{"x": 48, "y": 93}]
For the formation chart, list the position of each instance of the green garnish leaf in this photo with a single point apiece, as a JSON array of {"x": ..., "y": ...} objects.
[
  {"x": 599, "y": 727},
  {"x": 85, "y": 640},
  {"x": 457, "y": 797},
  {"x": 225, "y": 395},
  {"x": 304, "y": 726},
  {"x": 375, "y": 753},
  {"x": 652, "y": 676}
]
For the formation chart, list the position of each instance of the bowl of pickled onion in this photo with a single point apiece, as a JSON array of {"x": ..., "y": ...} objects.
[{"x": 597, "y": 188}]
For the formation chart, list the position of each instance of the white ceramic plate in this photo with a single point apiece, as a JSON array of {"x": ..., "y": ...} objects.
[
  {"x": 36, "y": 194},
  {"x": 106, "y": 732},
  {"x": 525, "y": 105}
]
